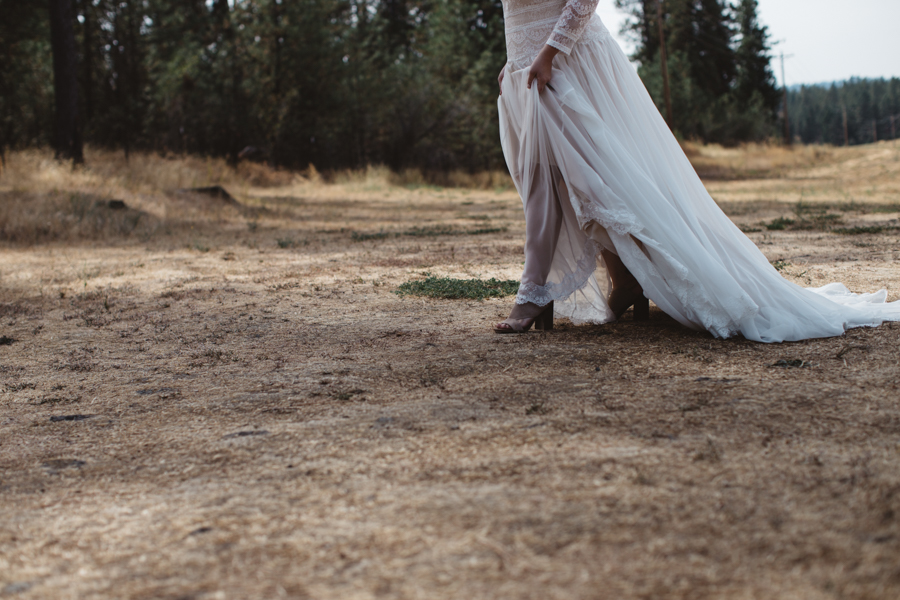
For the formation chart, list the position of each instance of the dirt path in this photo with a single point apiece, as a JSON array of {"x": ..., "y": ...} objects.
[{"x": 246, "y": 409}]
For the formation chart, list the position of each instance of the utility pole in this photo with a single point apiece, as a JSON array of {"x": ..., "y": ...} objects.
[
  {"x": 664, "y": 63},
  {"x": 846, "y": 129},
  {"x": 787, "y": 118},
  {"x": 875, "y": 130}
]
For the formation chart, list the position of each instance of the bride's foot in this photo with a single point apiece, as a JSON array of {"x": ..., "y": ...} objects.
[
  {"x": 523, "y": 316},
  {"x": 626, "y": 292},
  {"x": 621, "y": 299}
]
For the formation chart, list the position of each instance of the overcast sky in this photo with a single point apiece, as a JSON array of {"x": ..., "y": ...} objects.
[{"x": 830, "y": 40}]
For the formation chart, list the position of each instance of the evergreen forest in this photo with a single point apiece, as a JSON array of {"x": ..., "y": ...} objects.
[
  {"x": 858, "y": 111},
  {"x": 722, "y": 86},
  {"x": 346, "y": 83}
]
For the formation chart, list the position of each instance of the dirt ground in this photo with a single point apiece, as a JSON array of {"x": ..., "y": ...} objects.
[{"x": 232, "y": 402}]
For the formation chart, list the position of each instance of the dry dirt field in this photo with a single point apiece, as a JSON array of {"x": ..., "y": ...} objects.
[{"x": 202, "y": 399}]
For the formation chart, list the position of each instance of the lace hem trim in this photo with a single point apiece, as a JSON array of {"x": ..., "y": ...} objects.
[
  {"x": 623, "y": 223},
  {"x": 543, "y": 295}
]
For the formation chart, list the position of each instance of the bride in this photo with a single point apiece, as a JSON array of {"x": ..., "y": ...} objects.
[{"x": 614, "y": 212}]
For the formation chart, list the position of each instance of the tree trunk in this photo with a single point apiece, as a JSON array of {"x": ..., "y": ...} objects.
[
  {"x": 67, "y": 134},
  {"x": 278, "y": 32},
  {"x": 88, "y": 61}
]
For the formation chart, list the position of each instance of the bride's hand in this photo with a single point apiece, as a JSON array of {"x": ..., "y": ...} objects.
[
  {"x": 500, "y": 79},
  {"x": 542, "y": 68}
]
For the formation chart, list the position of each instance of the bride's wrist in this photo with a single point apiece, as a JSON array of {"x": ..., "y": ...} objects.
[{"x": 549, "y": 52}]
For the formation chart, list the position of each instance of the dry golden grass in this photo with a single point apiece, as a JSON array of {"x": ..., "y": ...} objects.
[
  {"x": 814, "y": 174},
  {"x": 45, "y": 200},
  {"x": 756, "y": 160},
  {"x": 233, "y": 403},
  {"x": 110, "y": 173}
]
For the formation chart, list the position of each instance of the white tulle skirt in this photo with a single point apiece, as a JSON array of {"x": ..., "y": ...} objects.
[{"x": 597, "y": 167}]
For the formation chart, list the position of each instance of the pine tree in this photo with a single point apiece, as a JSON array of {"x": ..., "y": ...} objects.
[
  {"x": 26, "y": 75},
  {"x": 754, "y": 62},
  {"x": 699, "y": 28},
  {"x": 642, "y": 27},
  {"x": 721, "y": 84},
  {"x": 702, "y": 30}
]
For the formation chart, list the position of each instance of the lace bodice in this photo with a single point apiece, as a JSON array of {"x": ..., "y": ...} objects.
[{"x": 560, "y": 23}]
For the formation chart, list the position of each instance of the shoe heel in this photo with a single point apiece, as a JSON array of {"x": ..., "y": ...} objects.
[
  {"x": 544, "y": 321},
  {"x": 642, "y": 310}
]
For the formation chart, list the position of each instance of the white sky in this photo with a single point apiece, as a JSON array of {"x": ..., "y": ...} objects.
[{"x": 830, "y": 40}]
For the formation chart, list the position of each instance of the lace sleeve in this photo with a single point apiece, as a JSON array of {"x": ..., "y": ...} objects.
[{"x": 574, "y": 18}]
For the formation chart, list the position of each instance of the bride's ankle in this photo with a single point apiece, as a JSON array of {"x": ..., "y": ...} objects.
[
  {"x": 528, "y": 310},
  {"x": 629, "y": 285}
]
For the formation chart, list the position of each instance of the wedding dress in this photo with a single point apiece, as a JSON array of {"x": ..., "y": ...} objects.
[{"x": 596, "y": 167}]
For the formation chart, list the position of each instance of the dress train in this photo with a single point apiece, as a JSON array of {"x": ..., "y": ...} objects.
[{"x": 597, "y": 167}]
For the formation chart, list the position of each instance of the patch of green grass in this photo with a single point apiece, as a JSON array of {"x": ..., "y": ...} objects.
[
  {"x": 433, "y": 231},
  {"x": 780, "y": 264},
  {"x": 423, "y": 186},
  {"x": 815, "y": 210},
  {"x": 486, "y": 230},
  {"x": 859, "y": 230},
  {"x": 363, "y": 237},
  {"x": 884, "y": 208},
  {"x": 537, "y": 408},
  {"x": 854, "y": 206},
  {"x": 823, "y": 220},
  {"x": 817, "y": 218},
  {"x": 791, "y": 364},
  {"x": 457, "y": 289},
  {"x": 807, "y": 222},
  {"x": 291, "y": 243},
  {"x": 810, "y": 217},
  {"x": 345, "y": 395},
  {"x": 779, "y": 224}
]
